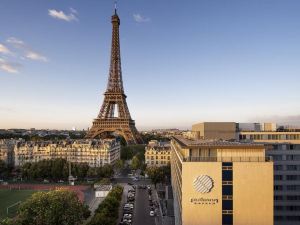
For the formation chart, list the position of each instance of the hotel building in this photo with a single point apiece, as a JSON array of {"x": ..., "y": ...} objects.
[
  {"x": 157, "y": 153},
  {"x": 283, "y": 147},
  {"x": 220, "y": 182},
  {"x": 95, "y": 153}
]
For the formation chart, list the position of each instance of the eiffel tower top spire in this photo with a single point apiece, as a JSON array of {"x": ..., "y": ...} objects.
[
  {"x": 115, "y": 7},
  {"x": 115, "y": 82}
]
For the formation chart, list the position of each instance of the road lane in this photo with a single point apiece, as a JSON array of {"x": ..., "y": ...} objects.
[{"x": 142, "y": 209}]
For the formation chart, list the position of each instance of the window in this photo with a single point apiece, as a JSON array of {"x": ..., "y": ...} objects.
[
  {"x": 278, "y": 207},
  {"x": 293, "y": 177},
  {"x": 277, "y": 157},
  {"x": 293, "y": 167},
  {"x": 293, "y": 197},
  {"x": 278, "y": 197},
  {"x": 277, "y": 177},
  {"x": 293, "y": 187},
  {"x": 293, "y": 218},
  {"x": 278, "y": 188},
  {"x": 292, "y": 157},
  {"x": 278, "y": 167},
  {"x": 293, "y": 208},
  {"x": 278, "y": 218}
]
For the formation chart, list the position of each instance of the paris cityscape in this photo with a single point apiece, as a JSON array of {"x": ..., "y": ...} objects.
[{"x": 149, "y": 112}]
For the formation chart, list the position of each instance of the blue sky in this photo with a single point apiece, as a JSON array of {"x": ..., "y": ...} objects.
[{"x": 182, "y": 61}]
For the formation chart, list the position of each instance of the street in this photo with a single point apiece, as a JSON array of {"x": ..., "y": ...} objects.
[
  {"x": 142, "y": 209},
  {"x": 141, "y": 213}
]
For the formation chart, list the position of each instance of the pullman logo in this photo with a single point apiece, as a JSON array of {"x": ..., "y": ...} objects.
[{"x": 203, "y": 184}]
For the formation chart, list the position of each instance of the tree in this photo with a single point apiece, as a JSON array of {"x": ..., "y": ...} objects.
[
  {"x": 119, "y": 164},
  {"x": 50, "y": 208},
  {"x": 108, "y": 211},
  {"x": 156, "y": 174},
  {"x": 4, "y": 170},
  {"x": 135, "y": 163}
]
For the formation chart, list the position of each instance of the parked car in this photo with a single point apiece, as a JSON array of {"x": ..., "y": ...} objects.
[
  {"x": 151, "y": 213},
  {"x": 127, "y": 221},
  {"x": 127, "y": 216}
]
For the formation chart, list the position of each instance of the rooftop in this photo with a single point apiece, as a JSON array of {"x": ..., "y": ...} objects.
[{"x": 213, "y": 143}]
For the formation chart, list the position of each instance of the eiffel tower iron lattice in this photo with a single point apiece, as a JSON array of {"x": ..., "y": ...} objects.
[{"x": 114, "y": 116}]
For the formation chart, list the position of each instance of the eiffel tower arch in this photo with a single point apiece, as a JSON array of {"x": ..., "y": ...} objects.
[{"x": 114, "y": 115}]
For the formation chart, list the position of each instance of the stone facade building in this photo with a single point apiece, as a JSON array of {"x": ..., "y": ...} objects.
[
  {"x": 95, "y": 153},
  {"x": 157, "y": 153}
]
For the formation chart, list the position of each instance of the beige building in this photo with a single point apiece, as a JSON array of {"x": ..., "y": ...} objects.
[
  {"x": 219, "y": 182},
  {"x": 7, "y": 150},
  {"x": 157, "y": 153},
  {"x": 94, "y": 152},
  {"x": 214, "y": 130}
]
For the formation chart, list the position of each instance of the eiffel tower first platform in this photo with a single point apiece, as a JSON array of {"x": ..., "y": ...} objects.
[{"x": 114, "y": 116}]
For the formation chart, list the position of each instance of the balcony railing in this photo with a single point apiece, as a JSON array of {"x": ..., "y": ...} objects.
[{"x": 227, "y": 159}]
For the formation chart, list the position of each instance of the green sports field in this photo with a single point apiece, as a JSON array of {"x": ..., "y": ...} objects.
[{"x": 9, "y": 197}]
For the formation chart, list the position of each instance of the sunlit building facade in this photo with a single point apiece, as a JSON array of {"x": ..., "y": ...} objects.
[
  {"x": 220, "y": 182},
  {"x": 7, "y": 151},
  {"x": 157, "y": 153},
  {"x": 95, "y": 153}
]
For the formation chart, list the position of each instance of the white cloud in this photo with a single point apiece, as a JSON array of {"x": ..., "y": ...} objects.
[
  {"x": 4, "y": 49},
  {"x": 27, "y": 52},
  {"x": 60, "y": 15},
  {"x": 35, "y": 56},
  {"x": 9, "y": 67},
  {"x": 15, "y": 41},
  {"x": 140, "y": 19}
]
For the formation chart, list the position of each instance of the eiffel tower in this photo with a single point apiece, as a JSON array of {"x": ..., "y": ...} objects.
[{"x": 114, "y": 116}]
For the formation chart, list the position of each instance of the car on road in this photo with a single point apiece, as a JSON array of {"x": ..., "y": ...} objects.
[
  {"x": 128, "y": 205},
  {"x": 151, "y": 213},
  {"x": 135, "y": 179},
  {"x": 127, "y": 221},
  {"x": 127, "y": 216},
  {"x": 130, "y": 183}
]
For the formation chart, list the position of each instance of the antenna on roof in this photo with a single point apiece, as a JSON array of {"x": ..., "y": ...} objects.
[{"x": 115, "y": 6}]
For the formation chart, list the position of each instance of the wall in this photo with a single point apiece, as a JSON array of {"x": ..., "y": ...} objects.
[
  {"x": 195, "y": 214},
  {"x": 253, "y": 193}
]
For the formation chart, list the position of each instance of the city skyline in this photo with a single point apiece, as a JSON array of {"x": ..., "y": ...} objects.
[{"x": 232, "y": 64}]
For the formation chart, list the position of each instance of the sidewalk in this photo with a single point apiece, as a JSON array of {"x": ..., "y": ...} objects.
[{"x": 160, "y": 219}]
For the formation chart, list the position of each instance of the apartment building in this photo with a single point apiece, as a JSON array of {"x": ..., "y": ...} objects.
[
  {"x": 157, "y": 153},
  {"x": 95, "y": 153},
  {"x": 285, "y": 150},
  {"x": 7, "y": 151}
]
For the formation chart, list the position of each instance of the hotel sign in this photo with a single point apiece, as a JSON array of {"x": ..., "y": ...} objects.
[{"x": 203, "y": 184}]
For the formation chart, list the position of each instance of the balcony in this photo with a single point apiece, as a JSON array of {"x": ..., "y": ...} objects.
[{"x": 227, "y": 159}]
